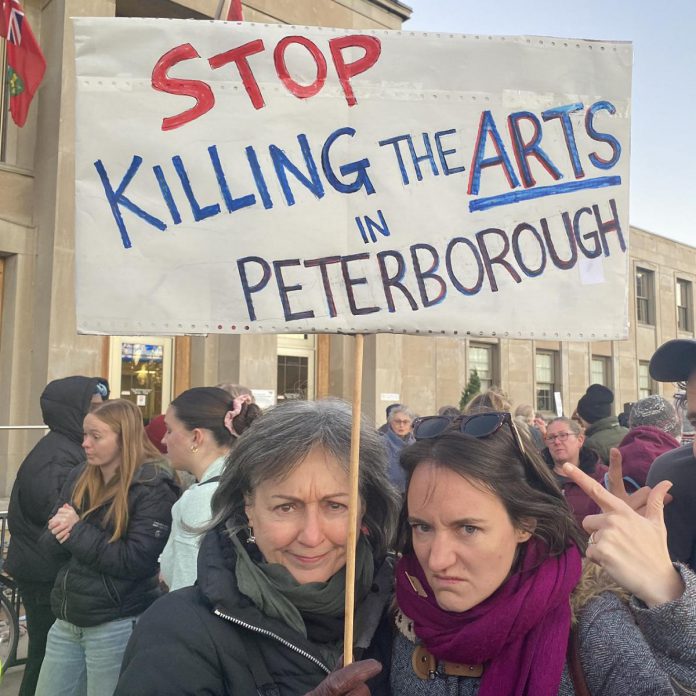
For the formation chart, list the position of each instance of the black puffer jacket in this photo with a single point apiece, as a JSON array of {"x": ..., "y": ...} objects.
[
  {"x": 64, "y": 405},
  {"x": 102, "y": 581},
  {"x": 211, "y": 640}
]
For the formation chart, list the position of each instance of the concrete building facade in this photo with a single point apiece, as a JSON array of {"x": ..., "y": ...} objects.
[{"x": 38, "y": 339}]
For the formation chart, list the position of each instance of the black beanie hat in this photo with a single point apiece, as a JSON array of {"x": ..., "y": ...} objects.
[{"x": 596, "y": 403}]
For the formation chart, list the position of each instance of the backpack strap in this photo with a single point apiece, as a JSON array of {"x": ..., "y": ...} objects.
[{"x": 577, "y": 675}]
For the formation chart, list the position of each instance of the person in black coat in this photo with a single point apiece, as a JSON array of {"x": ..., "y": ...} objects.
[
  {"x": 266, "y": 615},
  {"x": 64, "y": 405},
  {"x": 107, "y": 530}
]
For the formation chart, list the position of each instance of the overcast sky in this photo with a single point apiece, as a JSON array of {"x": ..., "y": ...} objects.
[{"x": 663, "y": 138}]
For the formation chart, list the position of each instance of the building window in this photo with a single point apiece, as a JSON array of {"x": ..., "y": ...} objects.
[
  {"x": 545, "y": 381},
  {"x": 645, "y": 296},
  {"x": 600, "y": 370},
  {"x": 645, "y": 384},
  {"x": 684, "y": 306},
  {"x": 293, "y": 377},
  {"x": 296, "y": 357},
  {"x": 482, "y": 359}
]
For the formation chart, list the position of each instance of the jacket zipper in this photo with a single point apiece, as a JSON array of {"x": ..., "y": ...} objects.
[
  {"x": 64, "y": 603},
  {"x": 270, "y": 634}
]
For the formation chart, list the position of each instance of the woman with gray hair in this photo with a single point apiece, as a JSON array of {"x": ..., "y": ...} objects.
[
  {"x": 267, "y": 612},
  {"x": 396, "y": 437}
]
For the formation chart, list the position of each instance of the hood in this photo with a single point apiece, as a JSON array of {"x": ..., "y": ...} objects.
[
  {"x": 603, "y": 424},
  {"x": 65, "y": 403},
  {"x": 640, "y": 448},
  {"x": 152, "y": 472}
]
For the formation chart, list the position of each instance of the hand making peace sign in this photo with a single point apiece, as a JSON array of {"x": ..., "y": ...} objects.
[{"x": 632, "y": 548}]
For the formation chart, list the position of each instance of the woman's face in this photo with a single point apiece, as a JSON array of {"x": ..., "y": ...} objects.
[
  {"x": 564, "y": 445},
  {"x": 301, "y": 521},
  {"x": 178, "y": 440},
  {"x": 462, "y": 536},
  {"x": 401, "y": 424},
  {"x": 101, "y": 446}
]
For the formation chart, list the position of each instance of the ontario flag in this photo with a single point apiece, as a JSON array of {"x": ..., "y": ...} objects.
[{"x": 25, "y": 62}]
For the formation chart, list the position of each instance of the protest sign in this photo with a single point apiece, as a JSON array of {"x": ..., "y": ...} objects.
[{"x": 235, "y": 178}]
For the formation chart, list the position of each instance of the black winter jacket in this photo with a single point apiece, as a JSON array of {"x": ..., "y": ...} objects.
[
  {"x": 102, "y": 581},
  {"x": 64, "y": 405},
  {"x": 211, "y": 640}
]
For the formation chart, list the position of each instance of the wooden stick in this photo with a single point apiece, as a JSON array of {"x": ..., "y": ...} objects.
[
  {"x": 235, "y": 13},
  {"x": 353, "y": 502}
]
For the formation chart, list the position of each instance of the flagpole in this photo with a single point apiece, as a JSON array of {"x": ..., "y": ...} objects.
[
  {"x": 220, "y": 8},
  {"x": 353, "y": 501}
]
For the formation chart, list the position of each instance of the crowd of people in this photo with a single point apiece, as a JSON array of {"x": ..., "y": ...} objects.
[{"x": 498, "y": 554}]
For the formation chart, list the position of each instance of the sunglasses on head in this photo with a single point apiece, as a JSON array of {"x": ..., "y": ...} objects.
[{"x": 477, "y": 425}]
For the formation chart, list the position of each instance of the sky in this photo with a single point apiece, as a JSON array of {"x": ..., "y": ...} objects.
[{"x": 663, "y": 118}]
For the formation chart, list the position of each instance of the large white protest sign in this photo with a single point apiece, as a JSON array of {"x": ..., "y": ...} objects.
[{"x": 244, "y": 178}]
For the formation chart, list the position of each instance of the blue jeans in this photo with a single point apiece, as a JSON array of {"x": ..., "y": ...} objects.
[{"x": 83, "y": 661}]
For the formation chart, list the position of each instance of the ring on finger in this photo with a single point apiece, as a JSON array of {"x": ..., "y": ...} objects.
[{"x": 592, "y": 539}]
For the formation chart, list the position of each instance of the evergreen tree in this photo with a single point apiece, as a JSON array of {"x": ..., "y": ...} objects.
[{"x": 471, "y": 390}]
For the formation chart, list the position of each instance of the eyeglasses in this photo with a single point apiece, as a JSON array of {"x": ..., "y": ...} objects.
[
  {"x": 561, "y": 437},
  {"x": 477, "y": 425}
]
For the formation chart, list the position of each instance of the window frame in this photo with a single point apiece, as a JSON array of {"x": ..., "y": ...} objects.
[
  {"x": 489, "y": 380},
  {"x": 644, "y": 374},
  {"x": 551, "y": 387},
  {"x": 606, "y": 370},
  {"x": 684, "y": 294},
  {"x": 645, "y": 302}
]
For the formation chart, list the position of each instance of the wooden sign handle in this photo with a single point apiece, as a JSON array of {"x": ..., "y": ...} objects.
[{"x": 354, "y": 501}]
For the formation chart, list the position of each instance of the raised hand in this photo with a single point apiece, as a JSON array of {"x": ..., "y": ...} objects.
[
  {"x": 631, "y": 547},
  {"x": 615, "y": 483},
  {"x": 348, "y": 681}
]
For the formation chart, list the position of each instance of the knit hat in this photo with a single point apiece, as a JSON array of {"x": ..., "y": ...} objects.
[
  {"x": 596, "y": 403},
  {"x": 674, "y": 361},
  {"x": 656, "y": 411},
  {"x": 155, "y": 430}
]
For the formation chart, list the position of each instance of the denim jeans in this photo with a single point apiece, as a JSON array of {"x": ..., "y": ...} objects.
[{"x": 83, "y": 661}]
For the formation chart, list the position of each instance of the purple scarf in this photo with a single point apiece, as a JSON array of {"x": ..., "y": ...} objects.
[{"x": 520, "y": 633}]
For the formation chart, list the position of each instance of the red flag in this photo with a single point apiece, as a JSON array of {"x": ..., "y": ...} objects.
[
  {"x": 234, "y": 12},
  {"x": 25, "y": 62}
]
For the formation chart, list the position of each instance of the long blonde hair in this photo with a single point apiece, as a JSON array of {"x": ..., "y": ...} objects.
[
  {"x": 594, "y": 581},
  {"x": 123, "y": 418}
]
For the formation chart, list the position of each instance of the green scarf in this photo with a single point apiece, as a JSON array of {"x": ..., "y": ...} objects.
[{"x": 271, "y": 587}]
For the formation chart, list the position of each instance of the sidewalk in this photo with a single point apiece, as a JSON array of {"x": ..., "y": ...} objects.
[{"x": 11, "y": 681}]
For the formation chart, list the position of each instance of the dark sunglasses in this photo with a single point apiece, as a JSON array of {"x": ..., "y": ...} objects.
[{"x": 476, "y": 425}]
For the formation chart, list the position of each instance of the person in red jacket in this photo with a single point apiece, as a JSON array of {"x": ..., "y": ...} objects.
[
  {"x": 655, "y": 428},
  {"x": 564, "y": 443}
]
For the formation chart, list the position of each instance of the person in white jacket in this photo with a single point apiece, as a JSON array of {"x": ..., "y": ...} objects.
[{"x": 201, "y": 426}]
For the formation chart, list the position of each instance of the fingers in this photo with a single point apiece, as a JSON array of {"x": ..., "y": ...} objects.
[
  {"x": 615, "y": 477},
  {"x": 353, "y": 676},
  {"x": 638, "y": 500},
  {"x": 654, "y": 509},
  {"x": 606, "y": 501}
]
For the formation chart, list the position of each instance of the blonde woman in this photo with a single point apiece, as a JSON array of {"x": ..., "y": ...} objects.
[{"x": 109, "y": 526}]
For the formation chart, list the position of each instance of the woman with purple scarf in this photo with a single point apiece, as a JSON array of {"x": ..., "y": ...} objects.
[{"x": 493, "y": 599}]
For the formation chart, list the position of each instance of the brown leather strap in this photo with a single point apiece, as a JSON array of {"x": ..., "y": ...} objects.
[
  {"x": 575, "y": 666},
  {"x": 425, "y": 665}
]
